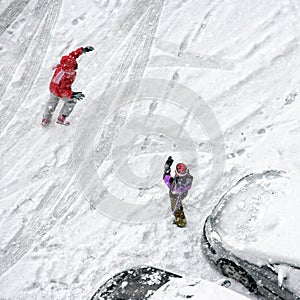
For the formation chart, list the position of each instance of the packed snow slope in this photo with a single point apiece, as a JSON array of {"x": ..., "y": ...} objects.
[{"x": 81, "y": 203}]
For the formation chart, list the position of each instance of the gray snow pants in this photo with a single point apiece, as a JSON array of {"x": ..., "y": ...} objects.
[{"x": 52, "y": 103}]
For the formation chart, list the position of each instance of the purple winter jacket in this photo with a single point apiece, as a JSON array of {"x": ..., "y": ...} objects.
[{"x": 179, "y": 186}]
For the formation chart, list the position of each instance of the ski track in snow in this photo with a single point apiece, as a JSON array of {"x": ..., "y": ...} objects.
[{"x": 46, "y": 175}]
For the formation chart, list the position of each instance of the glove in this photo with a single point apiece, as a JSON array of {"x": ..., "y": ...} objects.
[
  {"x": 78, "y": 95},
  {"x": 87, "y": 49},
  {"x": 168, "y": 164}
]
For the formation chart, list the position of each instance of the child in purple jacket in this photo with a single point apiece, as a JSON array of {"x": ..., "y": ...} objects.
[{"x": 179, "y": 185}]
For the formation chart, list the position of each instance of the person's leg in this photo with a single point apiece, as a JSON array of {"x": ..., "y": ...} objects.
[
  {"x": 65, "y": 111},
  {"x": 68, "y": 107},
  {"x": 51, "y": 106},
  {"x": 180, "y": 217},
  {"x": 178, "y": 212}
]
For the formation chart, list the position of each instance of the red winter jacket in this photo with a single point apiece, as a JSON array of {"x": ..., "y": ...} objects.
[{"x": 64, "y": 75}]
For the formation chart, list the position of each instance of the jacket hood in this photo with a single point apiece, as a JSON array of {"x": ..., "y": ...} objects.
[{"x": 68, "y": 63}]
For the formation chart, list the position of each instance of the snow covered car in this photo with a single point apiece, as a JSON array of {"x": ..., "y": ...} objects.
[
  {"x": 134, "y": 284},
  {"x": 198, "y": 289},
  {"x": 252, "y": 234},
  {"x": 150, "y": 283}
]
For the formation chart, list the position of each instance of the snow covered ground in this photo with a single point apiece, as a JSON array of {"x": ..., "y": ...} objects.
[{"x": 81, "y": 203}]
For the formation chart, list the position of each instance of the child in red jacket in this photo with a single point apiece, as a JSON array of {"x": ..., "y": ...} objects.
[{"x": 60, "y": 87}]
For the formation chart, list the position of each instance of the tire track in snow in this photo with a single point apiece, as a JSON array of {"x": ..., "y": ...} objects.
[
  {"x": 38, "y": 227},
  {"x": 132, "y": 67},
  {"x": 35, "y": 48},
  {"x": 126, "y": 24},
  {"x": 40, "y": 45},
  {"x": 38, "y": 48},
  {"x": 32, "y": 26},
  {"x": 36, "y": 52},
  {"x": 11, "y": 13},
  {"x": 120, "y": 31},
  {"x": 132, "y": 16}
]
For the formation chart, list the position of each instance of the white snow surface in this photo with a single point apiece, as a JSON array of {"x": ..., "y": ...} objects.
[{"x": 241, "y": 57}]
